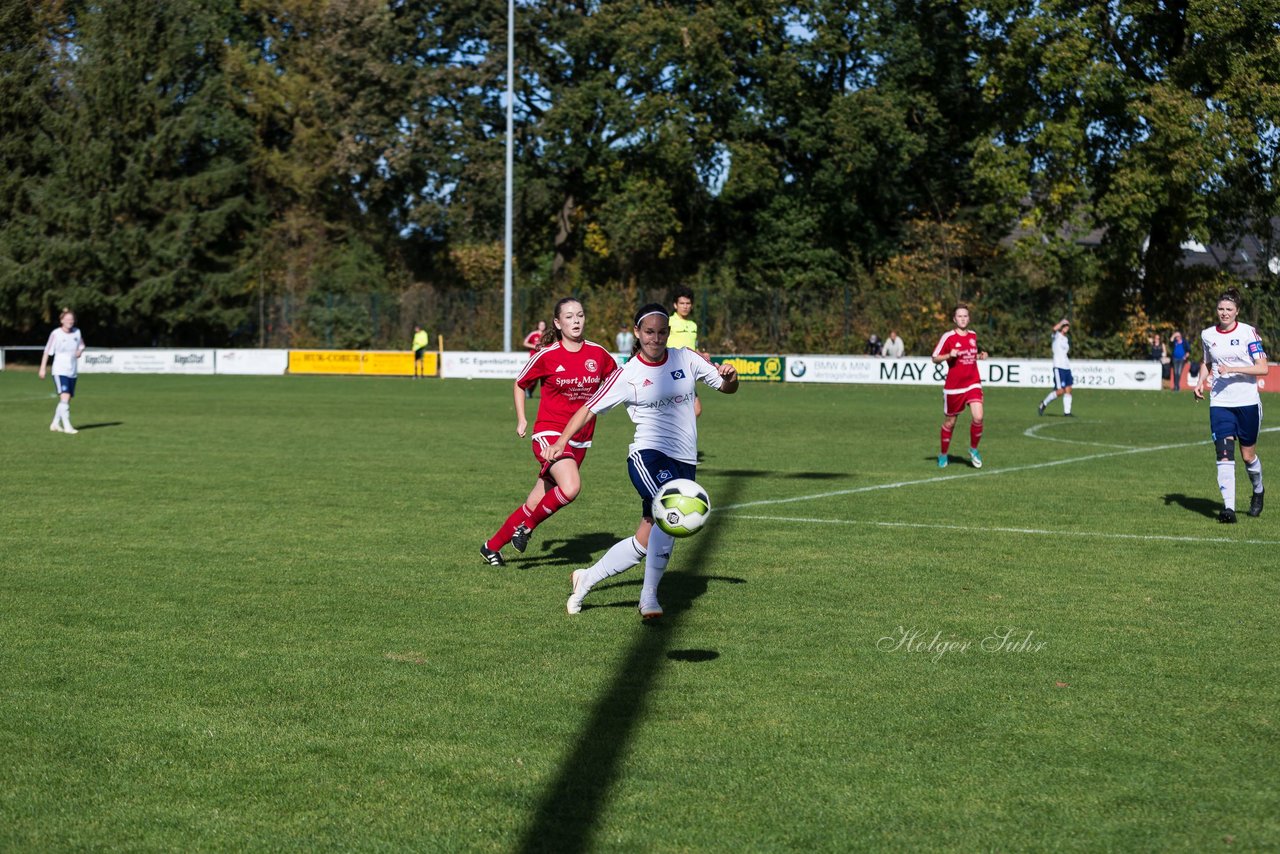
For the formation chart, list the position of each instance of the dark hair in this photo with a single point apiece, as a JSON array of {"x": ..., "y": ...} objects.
[
  {"x": 648, "y": 308},
  {"x": 553, "y": 333},
  {"x": 642, "y": 312},
  {"x": 681, "y": 292},
  {"x": 1231, "y": 294}
]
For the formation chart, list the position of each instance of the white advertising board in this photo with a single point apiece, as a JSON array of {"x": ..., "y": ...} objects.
[
  {"x": 257, "y": 362},
  {"x": 146, "y": 362},
  {"x": 457, "y": 364},
  {"x": 1019, "y": 373}
]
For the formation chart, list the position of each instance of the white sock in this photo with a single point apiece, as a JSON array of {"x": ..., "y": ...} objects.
[
  {"x": 660, "y": 545},
  {"x": 64, "y": 415},
  {"x": 1255, "y": 473},
  {"x": 1227, "y": 483},
  {"x": 1048, "y": 400},
  {"x": 621, "y": 556},
  {"x": 1066, "y": 404}
]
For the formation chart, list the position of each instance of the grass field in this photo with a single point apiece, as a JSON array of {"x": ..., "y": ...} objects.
[{"x": 249, "y": 614}]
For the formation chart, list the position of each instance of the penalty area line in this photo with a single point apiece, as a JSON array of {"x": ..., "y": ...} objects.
[
  {"x": 1040, "y": 532},
  {"x": 975, "y": 473}
]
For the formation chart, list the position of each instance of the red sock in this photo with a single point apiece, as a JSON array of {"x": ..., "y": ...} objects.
[
  {"x": 975, "y": 435},
  {"x": 500, "y": 539},
  {"x": 946, "y": 439},
  {"x": 550, "y": 503}
]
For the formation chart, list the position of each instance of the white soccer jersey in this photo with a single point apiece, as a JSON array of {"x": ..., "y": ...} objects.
[
  {"x": 63, "y": 347},
  {"x": 1061, "y": 346},
  {"x": 1235, "y": 348},
  {"x": 659, "y": 399}
]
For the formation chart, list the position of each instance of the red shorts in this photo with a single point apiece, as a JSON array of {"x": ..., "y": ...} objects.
[
  {"x": 570, "y": 453},
  {"x": 954, "y": 403}
]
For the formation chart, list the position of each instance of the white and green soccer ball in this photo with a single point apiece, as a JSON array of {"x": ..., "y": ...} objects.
[{"x": 681, "y": 507}]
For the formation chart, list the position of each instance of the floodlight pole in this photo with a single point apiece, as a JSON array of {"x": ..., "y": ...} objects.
[{"x": 508, "y": 249}]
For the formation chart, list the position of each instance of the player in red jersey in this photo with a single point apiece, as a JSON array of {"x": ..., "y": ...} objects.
[
  {"x": 963, "y": 386},
  {"x": 570, "y": 369}
]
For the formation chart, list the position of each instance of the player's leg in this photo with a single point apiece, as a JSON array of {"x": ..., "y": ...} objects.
[
  {"x": 944, "y": 435},
  {"x": 1223, "y": 428},
  {"x": 1053, "y": 395},
  {"x": 620, "y": 557},
  {"x": 560, "y": 486},
  {"x": 1249, "y": 419},
  {"x": 56, "y": 424},
  {"x": 975, "y": 432},
  {"x": 66, "y": 390}
]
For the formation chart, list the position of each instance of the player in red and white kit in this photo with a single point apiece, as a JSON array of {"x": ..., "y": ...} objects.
[
  {"x": 963, "y": 386},
  {"x": 569, "y": 371}
]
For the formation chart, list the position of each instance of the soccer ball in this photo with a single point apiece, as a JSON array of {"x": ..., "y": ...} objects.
[{"x": 681, "y": 507}]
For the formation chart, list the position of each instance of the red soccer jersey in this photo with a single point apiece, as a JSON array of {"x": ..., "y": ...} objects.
[
  {"x": 568, "y": 379},
  {"x": 962, "y": 371}
]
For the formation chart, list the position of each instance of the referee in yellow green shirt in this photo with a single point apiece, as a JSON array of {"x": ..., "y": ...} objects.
[
  {"x": 684, "y": 332},
  {"x": 420, "y": 343}
]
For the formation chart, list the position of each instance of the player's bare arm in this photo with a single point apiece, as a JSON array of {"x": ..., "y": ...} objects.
[
  {"x": 522, "y": 422},
  {"x": 579, "y": 420}
]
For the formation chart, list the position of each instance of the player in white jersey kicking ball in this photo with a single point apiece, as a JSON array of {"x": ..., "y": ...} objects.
[
  {"x": 1233, "y": 360},
  {"x": 65, "y": 346},
  {"x": 657, "y": 388}
]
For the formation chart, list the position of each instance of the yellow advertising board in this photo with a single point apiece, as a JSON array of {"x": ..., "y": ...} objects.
[{"x": 381, "y": 364}]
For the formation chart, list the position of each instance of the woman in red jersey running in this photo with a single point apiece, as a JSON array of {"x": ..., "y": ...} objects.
[
  {"x": 569, "y": 369},
  {"x": 963, "y": 386}
]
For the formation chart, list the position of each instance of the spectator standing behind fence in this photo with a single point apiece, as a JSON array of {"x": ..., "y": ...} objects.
[
  {"x": 1179, "y": 357},
  {"x": 624, "y": 342},
  {"x": 873, "y": 345},
  {"x": 420, "y": 342},
  {"x": 1160, "y": 353},
  {"x": 532, "y": 342},
  {"x": 893, "y": 348}
]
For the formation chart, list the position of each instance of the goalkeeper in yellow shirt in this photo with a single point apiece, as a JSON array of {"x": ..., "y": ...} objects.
[{"x": 684, "y": 332}]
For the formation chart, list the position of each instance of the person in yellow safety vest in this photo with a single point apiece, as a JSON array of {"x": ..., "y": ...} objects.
[
  {"x": 420, "y": 342},
  {"x": 684, "y": 332}
]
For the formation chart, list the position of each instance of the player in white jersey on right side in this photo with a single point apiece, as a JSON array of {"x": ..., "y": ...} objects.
[
  {"x": 1061, "y": 368},
  {"x": 65, "y": 346},
  {"x": 1234, "y": 358},
  {"x": 657, "y": 388}
]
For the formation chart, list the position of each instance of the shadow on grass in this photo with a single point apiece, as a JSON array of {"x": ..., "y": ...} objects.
[
  {"x": 570, "y": 809},
  {"x": 99, "y": 424},
  {"x": 1203, "y": 506},
  {"x": 578, "y": 551}
]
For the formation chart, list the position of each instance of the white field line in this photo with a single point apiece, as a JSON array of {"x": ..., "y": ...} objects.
[
  {"x": 988, "y": 530},
  {"x": 1033, "y": 432},
  {"x": 972, "y": 473}
]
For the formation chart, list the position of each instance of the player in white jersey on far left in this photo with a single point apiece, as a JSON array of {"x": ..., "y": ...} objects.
[
  {"x": 1233, "y": 360},
  {"x": 65, "y": 346},
  {"x": 1061, "y": 368},
  {"x": 657, "y": 388}
]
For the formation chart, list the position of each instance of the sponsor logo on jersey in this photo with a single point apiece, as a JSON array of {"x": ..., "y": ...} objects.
[
  {"x": 559, "y": 369},
  {"x": 647, "y": 382},
  {"x": 591, "y": 365},
  {"x": 677, "y": 375}
]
